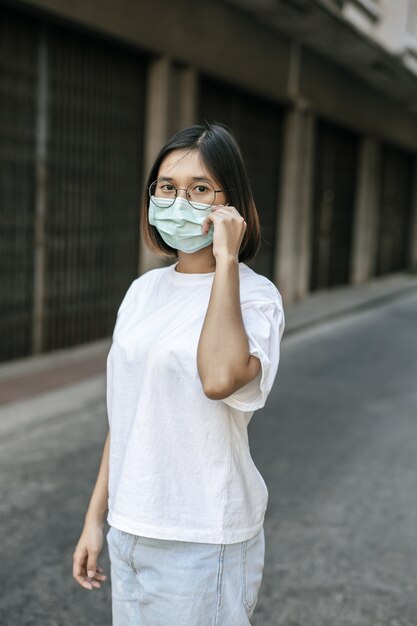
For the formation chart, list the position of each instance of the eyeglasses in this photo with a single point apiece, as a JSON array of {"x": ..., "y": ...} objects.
[{"x": 164, "y": 193}]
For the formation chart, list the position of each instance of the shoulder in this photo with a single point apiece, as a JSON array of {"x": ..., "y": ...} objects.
[
  {"x": 138, "y": 284},
  {"x": 152, "y": 275},
  {"x": 255, "y": 287}
]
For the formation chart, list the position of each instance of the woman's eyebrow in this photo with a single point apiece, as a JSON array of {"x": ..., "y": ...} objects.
[{"x": 202, "y": 178}]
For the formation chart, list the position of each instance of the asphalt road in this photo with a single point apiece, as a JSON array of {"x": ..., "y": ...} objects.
[{"x": 337, "y": 446}]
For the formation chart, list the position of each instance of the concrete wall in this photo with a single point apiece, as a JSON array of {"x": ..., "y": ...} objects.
[
  {"x": 214, "y": 38},
  {"x": 186, "y": 38},
  {"x": 206, "y": 34}
]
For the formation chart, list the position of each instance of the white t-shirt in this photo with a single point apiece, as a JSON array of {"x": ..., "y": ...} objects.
[{"x": 180, "y": 465}]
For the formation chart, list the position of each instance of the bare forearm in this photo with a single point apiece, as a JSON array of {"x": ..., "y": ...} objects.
[
  {"x": 98, "y": 502},
  {"x": 223, "y": 349}
]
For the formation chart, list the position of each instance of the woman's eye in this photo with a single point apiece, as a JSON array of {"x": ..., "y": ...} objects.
[
  {"x": 167, "y": 187},
  {"x": 200, "y": 189}
]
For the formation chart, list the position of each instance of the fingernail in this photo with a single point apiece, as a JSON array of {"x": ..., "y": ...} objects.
[{"x": 91, "y": 574}]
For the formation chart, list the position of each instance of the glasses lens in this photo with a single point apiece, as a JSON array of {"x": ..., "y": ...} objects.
[
  {"x": 201, "y": 192},
  {"x": 163, "y": 193}
]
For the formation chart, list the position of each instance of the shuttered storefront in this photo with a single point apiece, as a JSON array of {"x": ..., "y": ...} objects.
[
  {"x": 394, "y": 220},
  {"x": 18, "y": 79},
  {"x": 333, "y": 206},
  {"x": 256, "y": 124},
  {"x": 72, "y": 112}
]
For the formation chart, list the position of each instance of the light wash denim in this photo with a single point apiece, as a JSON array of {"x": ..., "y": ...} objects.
[{"x": 160, "y": 582}]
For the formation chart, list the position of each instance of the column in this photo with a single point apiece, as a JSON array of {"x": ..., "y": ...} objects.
[
  {"x": 40, "y": 192},
  {"x": 365, "y": 224},
  {"x": 157, "y": 131},
  {"x": 413, "y": 237},
  {"x": 187, "y": 115},
  {"x": 292, "y": 260},
  {"x": 171, "y": 104}
]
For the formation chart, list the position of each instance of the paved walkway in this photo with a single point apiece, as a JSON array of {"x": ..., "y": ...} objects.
[
  {"x": 336, "y": 302},
  {"x": 37, "y": 388}
]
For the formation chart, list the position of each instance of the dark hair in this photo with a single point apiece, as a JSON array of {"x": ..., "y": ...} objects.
[{"x": 222, "y": 157}]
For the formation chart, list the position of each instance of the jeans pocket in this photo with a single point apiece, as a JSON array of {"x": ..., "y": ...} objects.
[{"x": 253, "y": 558}]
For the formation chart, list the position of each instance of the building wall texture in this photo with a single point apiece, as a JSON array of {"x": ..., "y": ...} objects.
[{"x": 320, "y": 95}]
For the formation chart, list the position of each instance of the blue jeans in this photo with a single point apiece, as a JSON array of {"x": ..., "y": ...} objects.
[{"x": 160, "y": 582}]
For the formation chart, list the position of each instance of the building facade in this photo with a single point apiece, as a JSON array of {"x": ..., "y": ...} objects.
[{"x": 321, "y": 95}]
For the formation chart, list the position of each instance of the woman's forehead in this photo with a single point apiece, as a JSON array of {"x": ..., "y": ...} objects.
[{"x": 183, "y": 163}]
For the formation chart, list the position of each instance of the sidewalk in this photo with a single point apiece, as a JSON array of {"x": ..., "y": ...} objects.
[
  {"x": 336, "y": 302},
  {"x": 36, "y": 389}
]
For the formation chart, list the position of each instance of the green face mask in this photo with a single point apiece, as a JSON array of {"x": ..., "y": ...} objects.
[{"x": 180, "y": 224}]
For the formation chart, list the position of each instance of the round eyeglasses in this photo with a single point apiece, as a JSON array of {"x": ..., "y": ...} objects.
[{"x": 163, "y": 193}]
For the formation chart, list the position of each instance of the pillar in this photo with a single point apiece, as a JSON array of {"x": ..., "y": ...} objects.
[
  {"x": 292, "y": 259},
  {"x": 171, "y": 104},
  {"x": 365, "y": 223},
  {"x": 40, "y": 194},
  {"x": 157, "y": 131},
  {"x": 187, "y": 110},
  {"x": 413, "y": 237}
]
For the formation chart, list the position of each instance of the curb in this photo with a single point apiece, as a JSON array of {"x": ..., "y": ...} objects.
[{"x": 356, "y": 308}]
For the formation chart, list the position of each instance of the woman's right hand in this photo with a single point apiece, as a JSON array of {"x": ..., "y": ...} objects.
[{"x": 85, "y": 569}]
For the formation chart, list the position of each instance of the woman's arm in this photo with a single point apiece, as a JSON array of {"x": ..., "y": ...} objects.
[
  {"x": 97, "y": 507},
  {"x": 223, "y": 359},
  {"x": 84, "y": 561}
]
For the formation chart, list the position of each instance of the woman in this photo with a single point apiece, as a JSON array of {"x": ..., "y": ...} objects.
[{"x": 195, "y": 352}]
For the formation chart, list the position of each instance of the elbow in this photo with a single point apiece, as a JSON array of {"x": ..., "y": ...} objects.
[
  {"x": 215, "y": 390},
  {"x": 215, "y": 393}
]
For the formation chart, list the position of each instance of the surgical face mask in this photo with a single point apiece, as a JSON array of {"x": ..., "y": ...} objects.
[{"x": 180, "y": 224}]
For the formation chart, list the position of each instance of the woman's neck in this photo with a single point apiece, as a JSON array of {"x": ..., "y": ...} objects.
[{"x": 200, "y": 262}]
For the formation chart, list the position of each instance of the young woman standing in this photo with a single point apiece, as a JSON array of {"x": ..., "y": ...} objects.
[{"x": 195, "y": 352}]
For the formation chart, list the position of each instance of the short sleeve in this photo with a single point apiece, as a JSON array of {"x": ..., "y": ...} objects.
[
  {"x": 264, "y": 323},
  {"x": 126, "y": 301}
]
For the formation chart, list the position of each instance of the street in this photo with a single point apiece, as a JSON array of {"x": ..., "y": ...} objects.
[{"x": 337, "y": 446}]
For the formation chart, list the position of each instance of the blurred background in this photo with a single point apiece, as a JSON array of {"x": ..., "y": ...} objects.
[{"x": 322, "y": 98}]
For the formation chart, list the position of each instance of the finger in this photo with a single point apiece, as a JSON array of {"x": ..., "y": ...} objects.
[
  {"x": 91, "y": 564},
  {"x": 226, "y": 211},
  {"x": 78, "y": 572},
  {"x": 94, "y": 580},
  {"x": 95, "y": 576},
  {"x": 87, "y": 585},
  {"x": 206, "y": 225},
  {"x": 100, "y": 574},
  {"x": 95, "y": 584}
]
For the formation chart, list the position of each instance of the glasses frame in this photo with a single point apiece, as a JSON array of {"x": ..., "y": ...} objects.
[{"x": 177, "y": 189}]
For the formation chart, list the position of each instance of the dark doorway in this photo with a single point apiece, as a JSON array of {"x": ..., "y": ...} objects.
[
  {"x": 394, "y": 211},
  {"x": 333, "y": 206}
]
